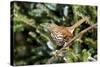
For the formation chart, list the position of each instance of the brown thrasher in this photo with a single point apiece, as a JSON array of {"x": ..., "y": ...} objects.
[{"x": 61, "y": 34}]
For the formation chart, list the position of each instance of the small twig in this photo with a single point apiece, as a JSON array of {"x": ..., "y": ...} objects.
[
  {"x": 51, "y": 59},
  {"x": 68, "y": 43}
]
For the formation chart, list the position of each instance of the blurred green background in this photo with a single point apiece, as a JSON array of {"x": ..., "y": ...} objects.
[{"x": 32, "y": 44}]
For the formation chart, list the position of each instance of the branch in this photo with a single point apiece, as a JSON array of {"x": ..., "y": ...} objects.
[
  {"x": 81, "y": 33},
  {"x": 68, "y": 43}
]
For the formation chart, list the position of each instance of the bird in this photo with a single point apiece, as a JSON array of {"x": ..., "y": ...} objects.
[{"x": 60, "y": 35}]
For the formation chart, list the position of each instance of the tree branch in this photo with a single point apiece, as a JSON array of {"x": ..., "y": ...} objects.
[
  {"x": 68, "y": 43},
  {"x": 81, "y": 33}
]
